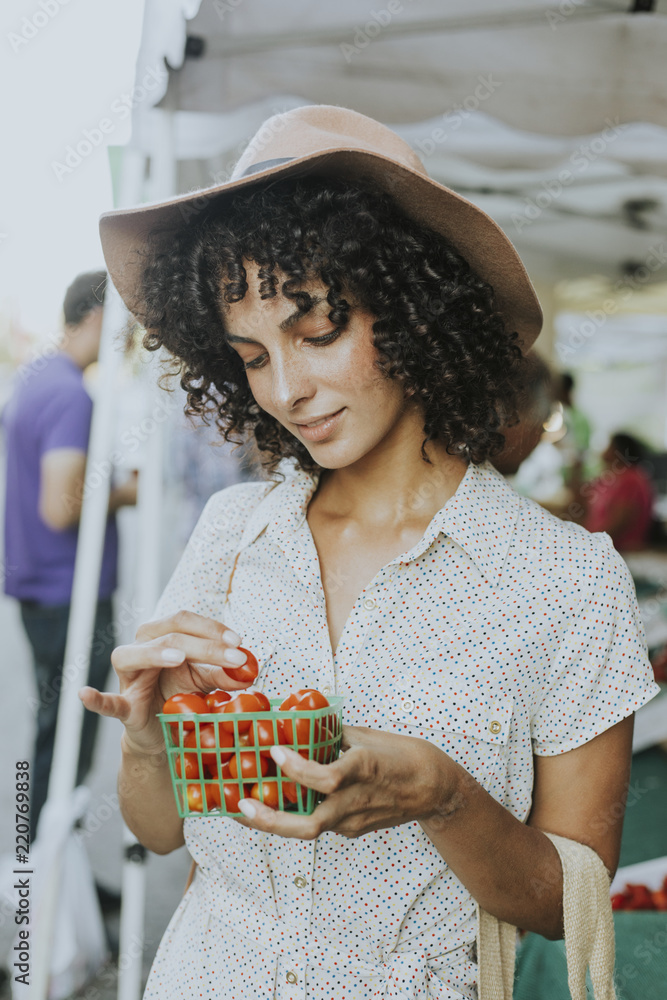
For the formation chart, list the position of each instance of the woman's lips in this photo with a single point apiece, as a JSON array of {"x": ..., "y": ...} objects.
[{"x": 323, "y": 430}]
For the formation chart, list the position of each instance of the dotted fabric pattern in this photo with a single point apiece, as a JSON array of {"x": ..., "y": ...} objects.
[{"x": 503, "y": 633}]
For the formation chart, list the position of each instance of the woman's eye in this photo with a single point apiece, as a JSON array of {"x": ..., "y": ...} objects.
[
  {"x": 257, "y": 363},
  {"x": 328, "y": 338}
]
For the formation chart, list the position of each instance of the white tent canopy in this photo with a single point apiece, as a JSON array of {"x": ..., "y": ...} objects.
[{"x": 551, "y": 117}]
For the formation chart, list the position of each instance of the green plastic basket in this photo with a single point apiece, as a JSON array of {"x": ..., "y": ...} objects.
[{"x": 204, "y": 795}]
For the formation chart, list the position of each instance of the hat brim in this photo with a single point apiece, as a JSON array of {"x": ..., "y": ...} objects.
[{"x": 486, "y": 248}]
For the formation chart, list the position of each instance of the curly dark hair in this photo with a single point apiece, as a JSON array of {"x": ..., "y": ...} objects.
[{"x": 437, "y": 329}]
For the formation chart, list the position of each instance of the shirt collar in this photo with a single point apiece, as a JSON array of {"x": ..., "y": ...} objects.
[
  {"x": 480, "y": 517},
  {"x": 283, "y": 509}
]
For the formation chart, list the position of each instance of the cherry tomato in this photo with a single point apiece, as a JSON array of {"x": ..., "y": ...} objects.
[
  {"x": 190, "y": 704},
  {"x": 266, "y": 792},
  {"x": 247, "y": 671},
  {"x": 261, "y": 734},
  {"x": 209, "y": 751},
  {"x": 191, "y": 767},
  {"x": 216, "y": 700},
  {"x": 261, "y": 698},
  {"x": 618, "y": 901},
  {"x": 195, "y": 800},
  {"x": 309, "y": 699},
  {"x": 247, "y": 763},
  {"x": 243, "y": 702},
  {"x": 324, "y": 754},
  {"x": 640, "y": 897},
  {"x": 294, "y": 792},
  {"x": 232, "y": 794},
  {"x": 659, "y": 899},
  {"x": 298, "y": 731}
]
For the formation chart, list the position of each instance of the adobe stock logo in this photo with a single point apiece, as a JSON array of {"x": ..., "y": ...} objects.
[{"x": 31, "y": 26}]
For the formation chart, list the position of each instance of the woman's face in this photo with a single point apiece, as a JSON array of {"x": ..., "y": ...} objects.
[{"x": 301, "y": 370}]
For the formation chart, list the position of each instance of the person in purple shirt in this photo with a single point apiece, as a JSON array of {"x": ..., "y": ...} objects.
[{"x": 47, "y": 426}]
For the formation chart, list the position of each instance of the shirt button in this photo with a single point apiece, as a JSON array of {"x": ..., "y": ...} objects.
[
  {"x": 326, "y": 689},
  {"x": 292, "y": 977},
  {"x": 300, "y": 882},
  {"x": 408, "y": 705},
  {"x": 370, "y": 603},
  {"x": 495, "y": 727}
]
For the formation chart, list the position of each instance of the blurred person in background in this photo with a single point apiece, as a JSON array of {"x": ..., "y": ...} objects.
[
  {"x": 575, "y": 443},
  {"x": 47, "y": 427},
  {"x": 200, "y": 463},
  {"x": 534, "y": 406},
  {"x": 620, "y": 500}
]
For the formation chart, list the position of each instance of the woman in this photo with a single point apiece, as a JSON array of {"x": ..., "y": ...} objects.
[{"x": 490, "y": 656}]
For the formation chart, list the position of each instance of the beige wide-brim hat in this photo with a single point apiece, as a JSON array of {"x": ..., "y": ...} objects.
[{"x": 325, "y": 139}]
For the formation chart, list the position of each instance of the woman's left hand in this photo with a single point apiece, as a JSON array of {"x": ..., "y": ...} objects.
[{"x": 381, "y": 780}]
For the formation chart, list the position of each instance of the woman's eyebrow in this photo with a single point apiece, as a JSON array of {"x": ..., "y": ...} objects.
[{"x": 284, "y": 325}]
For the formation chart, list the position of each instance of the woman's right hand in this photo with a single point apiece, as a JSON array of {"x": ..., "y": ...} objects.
[{"x": 184, "y": 652}]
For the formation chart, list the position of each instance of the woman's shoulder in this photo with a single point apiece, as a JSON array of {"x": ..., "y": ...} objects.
[{"x": 572, "y": 552}]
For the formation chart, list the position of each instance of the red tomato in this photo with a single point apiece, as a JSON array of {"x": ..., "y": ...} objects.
[
  {"x": 659, "y": 899},
  {"x": 243, "y": 702},
  {"x": 326, "y": 753},
  {"x": 297, "y": 732},
  {"x": 261, "y": 698},
  {"x": 640, "y": 897},
  {"x": 266, "y": 792},
  {"x": 247, "y": 763},
  {"x": 261, "y": 734},
  {"x": 189, "y": 704},
  {"x": 191, "y": 767},
  {"x": 209, "y": 751},
  {"x": 232, "y": 794},
  {"x": 309, "y": 699},
  {"x": 247, "y": 671},
  {"x": 195, "y": 800},
  {"x": 216, "y": 700},
  {"x": 293, "y": 792},
  {"x": 305, "y": 700},
  {"x": 618, "y": 901}
]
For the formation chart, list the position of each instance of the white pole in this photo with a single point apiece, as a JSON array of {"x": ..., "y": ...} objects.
[
  {"x": 148, "y": 563},
  {"x": 79, "y": 634},
  {"x": 149, "y": 534}
]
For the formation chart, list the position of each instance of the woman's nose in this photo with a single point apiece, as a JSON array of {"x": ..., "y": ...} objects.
[{"x": 292, "y": 382}]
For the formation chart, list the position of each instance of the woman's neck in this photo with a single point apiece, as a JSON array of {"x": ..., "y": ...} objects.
[{"x": 393, "y": 490}]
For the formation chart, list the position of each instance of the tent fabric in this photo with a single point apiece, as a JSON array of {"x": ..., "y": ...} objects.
[{"x": 551, "y": 116}]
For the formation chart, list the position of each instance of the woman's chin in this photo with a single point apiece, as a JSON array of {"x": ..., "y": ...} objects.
[{"x": 336, "y": 455}]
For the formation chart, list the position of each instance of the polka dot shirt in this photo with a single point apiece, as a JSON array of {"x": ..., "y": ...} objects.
[{"x": 501, "y": 634}]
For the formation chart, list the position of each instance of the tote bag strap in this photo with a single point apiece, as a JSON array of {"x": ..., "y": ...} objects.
[{"x": 588, "y": 927}]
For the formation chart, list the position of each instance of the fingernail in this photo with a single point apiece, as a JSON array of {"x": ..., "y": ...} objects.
[
  {"x": 235, "y": 657},
  {"x": 172, "y": 656},
  {"x": 247, "y": 808},
  {"x": 278, "y": 755},
  {"x": 231, "y": 638}
]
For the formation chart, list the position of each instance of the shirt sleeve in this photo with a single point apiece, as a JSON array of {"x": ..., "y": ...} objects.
[
  {"x": 199, "y": 582},
  {"x": 66, "y": 421},
  {"x": 602, "y": 672}
]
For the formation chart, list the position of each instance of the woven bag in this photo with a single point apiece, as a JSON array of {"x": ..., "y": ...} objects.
[{"x": 588, "y": 925}]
